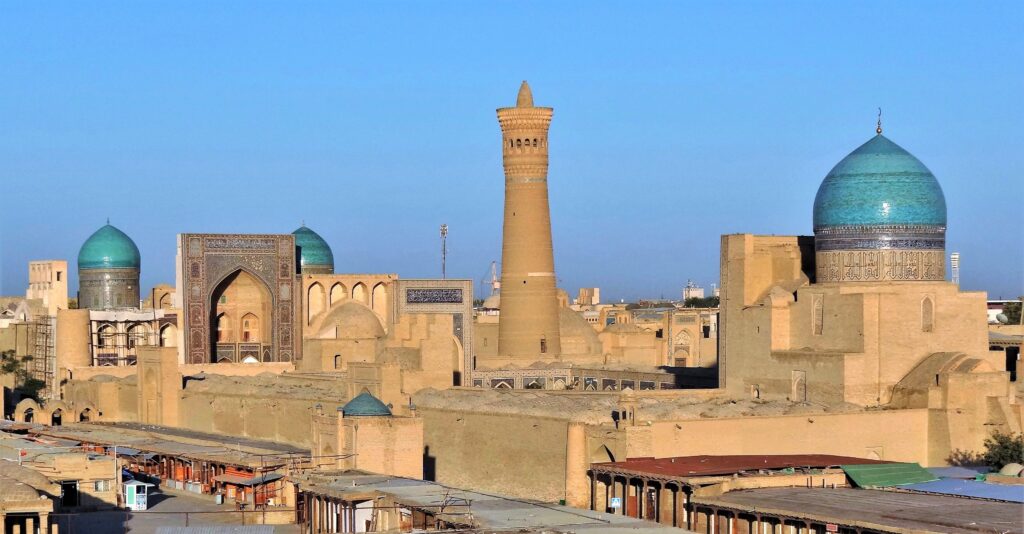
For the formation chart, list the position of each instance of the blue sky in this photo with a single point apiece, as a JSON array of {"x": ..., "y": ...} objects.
[{"x": 374, "y": 122}]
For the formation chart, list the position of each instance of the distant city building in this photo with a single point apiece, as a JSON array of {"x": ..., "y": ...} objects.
[
  {"x": 589, "y": 296},
  {"x": 691, "y": 291}
]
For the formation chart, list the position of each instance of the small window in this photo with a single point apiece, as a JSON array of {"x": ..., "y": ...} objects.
[
  {"x": 927, "y": 315},
  {"x": 659, "y": 333},
  {"x": 101, "y": 485},
  {"x": 58, "y": 276},
  {"x": 818, "y": 313},
  {"x": 707, "y": 331},
  {"x": 543, "y": 346},
  {"x": 337, "y": 361}
]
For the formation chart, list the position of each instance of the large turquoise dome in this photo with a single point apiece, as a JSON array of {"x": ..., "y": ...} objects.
[
  {"x": 880, "y": 183},
  {"x": 879, "y": 216},
  {"x": 109, "y": 248},
  {"x": 314, "y": 253}
]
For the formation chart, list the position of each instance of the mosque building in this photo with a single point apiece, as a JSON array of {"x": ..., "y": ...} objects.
[{"x": 826, "y": 344}]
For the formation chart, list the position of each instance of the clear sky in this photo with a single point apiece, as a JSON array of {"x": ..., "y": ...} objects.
[{"x": 374, "y": 122}]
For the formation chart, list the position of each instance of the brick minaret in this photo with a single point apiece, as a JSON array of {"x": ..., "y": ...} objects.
[{"x": 528, "y": 328}]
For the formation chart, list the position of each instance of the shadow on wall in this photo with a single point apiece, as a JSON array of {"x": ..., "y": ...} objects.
[
  {"x": 429, "y": 465},
  {"x": 694, "y": 377}
]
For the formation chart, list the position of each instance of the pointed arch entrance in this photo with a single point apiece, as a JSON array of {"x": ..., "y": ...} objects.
[{"x": 244, "y": 299}]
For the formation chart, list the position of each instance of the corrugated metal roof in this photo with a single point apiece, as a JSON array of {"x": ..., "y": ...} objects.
[
  {"x": 970, "y": 488},
  {"x": 693, "y": 466},
  {"x": 958, "y": 472},
  {"x": 249, "y": 481},
  {"x": 884, "y": 475},
  {"x": 250, "y": 529}
]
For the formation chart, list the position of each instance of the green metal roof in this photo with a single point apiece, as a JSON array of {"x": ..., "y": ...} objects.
[{"x": 884, "y": 475}]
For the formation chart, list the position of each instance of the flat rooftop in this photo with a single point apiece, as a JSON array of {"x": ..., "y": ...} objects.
[
  {"x": 483, "y": 510},
  {"x": 888, "y": 511},
  {"x": 700, "y": 466},
  {"x": 176, "y": 442}
]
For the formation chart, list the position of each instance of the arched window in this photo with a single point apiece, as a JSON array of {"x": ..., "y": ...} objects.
[
  {"x": 105, "y": 339},
  {"x": 137, "y": 336},
  {"x": 379, "y": 299},
  {"x": 819, "y": 315},
  {"x": 250, "y": 328},
  {"x": 169, "y": 336},
  {"x": 315, "y": 301},
  {"x": 927, "y": 315},
  {"x": 519, "y": 143},
  {"x": 338, "y": 293},
  {"x": 534, "y": 143},
  {"x": 360, "y": 293},
  {"x": 223, "y": 329}
]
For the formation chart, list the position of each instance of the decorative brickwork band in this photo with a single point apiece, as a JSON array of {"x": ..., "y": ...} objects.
[
  {"x": 880, "y": 265},
  {"x": 889, "y": 237}
]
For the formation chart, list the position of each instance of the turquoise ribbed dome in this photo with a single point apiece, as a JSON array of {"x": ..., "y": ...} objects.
[
  {"x": 879, "y": 184},
  {"x": 109, "y": 248},
  {"x": 365, "y": 405},
  {"x": 313, "y": 250}
]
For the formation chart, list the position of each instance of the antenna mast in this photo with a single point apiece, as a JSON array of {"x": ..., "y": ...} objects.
[{"x": 444, "y": 250}]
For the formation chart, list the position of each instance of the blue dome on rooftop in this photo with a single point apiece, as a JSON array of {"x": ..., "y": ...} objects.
[
  {"x": 109, "y": 248},
  {"x": 365, "y": 405},
  {"x": 879, "y": 184},
  {"x": 313, "y": 250}
]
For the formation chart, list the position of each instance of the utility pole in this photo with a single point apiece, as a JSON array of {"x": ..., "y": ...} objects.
[{"x": 444, "y": 250}]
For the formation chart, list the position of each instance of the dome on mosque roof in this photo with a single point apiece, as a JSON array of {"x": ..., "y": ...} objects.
[
  {"x": 879, "y": 184},
  {"x": 313, "y": 250},
  {"x": 15, "y": 491},
  {"x": 351, "y": 320},
  {"x": 365, "y": 405},
  {"x": 109, "y": 248}
]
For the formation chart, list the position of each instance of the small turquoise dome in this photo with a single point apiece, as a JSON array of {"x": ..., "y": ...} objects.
[
  {"x": 365, "y": 405},
  {"x": 109, "y": 248},
  {"x": 880, "y": 183},
  {"x": 313, "y": 250}
]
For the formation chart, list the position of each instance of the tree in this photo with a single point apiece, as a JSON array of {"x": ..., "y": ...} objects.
[
  {"x": 24, "y": 382},
  {"x": 1002, "y": 449},
  {"x": 701, "y": 302},
  {"x": 1012, "y": 312}
]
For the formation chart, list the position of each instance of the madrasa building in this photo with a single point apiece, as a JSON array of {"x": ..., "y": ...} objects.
[{"x": 257, "y": 335}]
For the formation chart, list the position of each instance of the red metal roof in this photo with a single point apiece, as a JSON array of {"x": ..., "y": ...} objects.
[{"x": 694, "y": 466}]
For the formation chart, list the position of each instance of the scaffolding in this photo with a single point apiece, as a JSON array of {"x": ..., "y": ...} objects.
[{"x": 44, "y": 359}]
